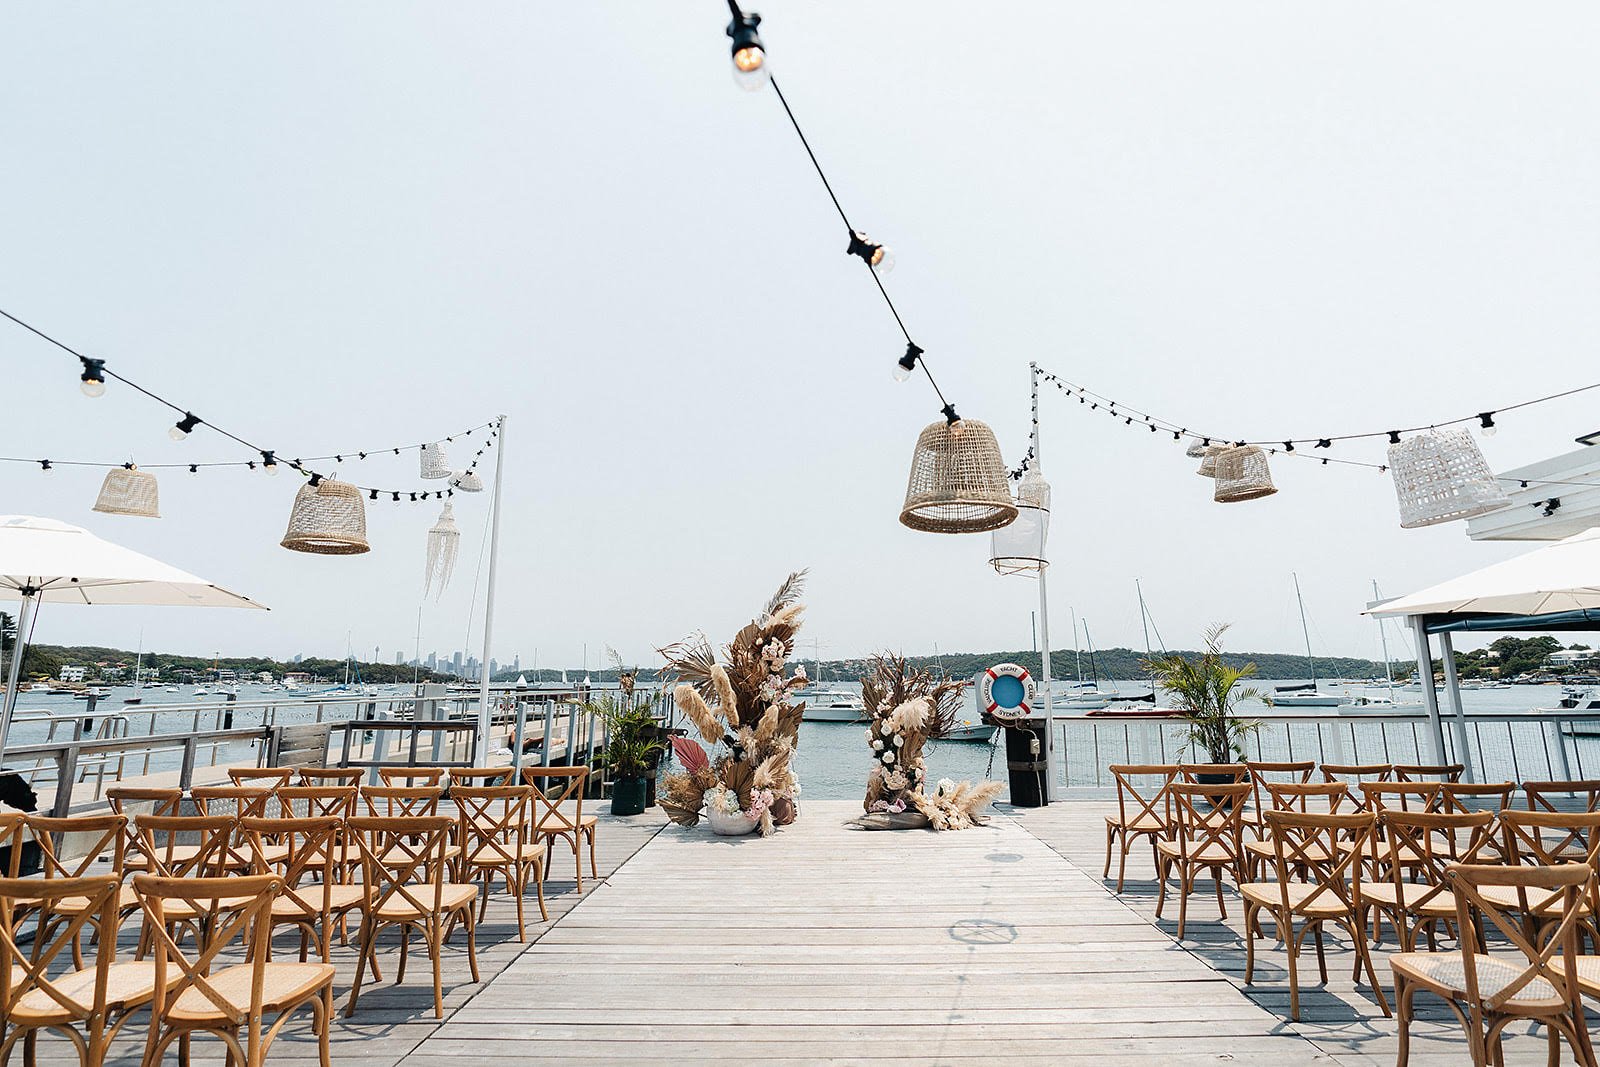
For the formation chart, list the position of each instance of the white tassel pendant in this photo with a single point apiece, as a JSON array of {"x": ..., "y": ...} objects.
[{"x": 444, "y": 542}]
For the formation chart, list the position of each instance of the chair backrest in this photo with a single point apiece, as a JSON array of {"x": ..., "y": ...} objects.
[
  {"x": 315, "y": 801},
  {"x": 1428, "y": 772},
  {"x": 1325, "y": 798},
  {"x": 268, "y": 777},
  {"x": 239, "y": 801},
  {"x": 1555, "y": 892},
  {"x": 403, "y": 859},
  {"x": 1324, "y": 851},
  {"x": 1208, "y": 815},
  {"x": 1230, "y": 772},
  {"x": 249, "y": 922},
  {"x": 1421, "y": 846},
  {"x": 401, "y": 801},
  {"x": 104, "y": 833},
  {"x": 212, "y": 854},
  {"x": 327, "y": 776},
  {"x": 411, "y": 776},
  {"x": 11, "y": 837},
  {"x": 1476, "y": 796},
  {"x": 562, "y": 784},
  {"x": 310, "y": 849},
  {"x": 495, "y": 821},
  {"x": 1554, "y": 796},
  {"x": 1549, "y": 838},
  {"x": 23, "y": 971},
  {"x": 1142, "y": 792},
  {"x": 137, "y": 800},
  {"x": 1264, "y": 771},
  {"x": 478, "y": 776},
  {"x": 1402, "y": 796}
]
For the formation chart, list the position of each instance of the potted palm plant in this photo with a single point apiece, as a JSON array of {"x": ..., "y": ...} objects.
[
  {"x": 633, "y": 750},
  {"x": 1205, "y": 690}
]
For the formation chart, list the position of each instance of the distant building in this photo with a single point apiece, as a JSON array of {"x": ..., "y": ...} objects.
[
  {"x": 399, "y": 659},
  {"x": 72, "y": 674},
  {"x": 432, "y": 662},
  {"x": 1569, "y": 657},
  {"x": 516, "y": 663},
  {"x": 456, "y": 663},
  {"x": 494, "y": 666},
  {"x": 297, "y": 658}
]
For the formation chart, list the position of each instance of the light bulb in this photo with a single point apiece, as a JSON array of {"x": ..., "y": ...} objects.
[
  {"x": 883, "y": 260},
  {"x": 93, "y": 387},
  {"x": 957, "y": 428},
  {"x": 750, "y": 70},
  {"x": 901, "y": 371},
  {"x": 271, "y": 468},
  {"x": 1489, "y": 430},
  {"x": 177, "y": 433}
]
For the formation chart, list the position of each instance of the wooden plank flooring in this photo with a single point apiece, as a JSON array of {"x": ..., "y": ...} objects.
[{"x": 828, "y": 945}]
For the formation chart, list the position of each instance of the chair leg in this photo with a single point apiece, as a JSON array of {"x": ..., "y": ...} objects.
[
  {"x": 1364, "y": 955},
  {"x": 1250, "y": 911},
  {"x": 433, "y": 936},
  {"x": 1322, "y": 957},
  {"x": 538, "y": 882},
  {"x": 594, "y": 863},
  {"x": 363, "y": 937},
  {"x": 1185, "y": 886},
  {"x": 1111, "y": 832},
  {"x": 405, "y": 950},
  {"x": 1216, "y": 880},
  {"x": 1403, "y": 993},
  {"x": 1292, "y": 944},
  {"x": 472, "y": 945},
  {"x": 324, "y": 1022}
]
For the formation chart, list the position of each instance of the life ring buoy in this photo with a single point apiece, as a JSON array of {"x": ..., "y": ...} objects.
[{"x": 1006, "y": 692}]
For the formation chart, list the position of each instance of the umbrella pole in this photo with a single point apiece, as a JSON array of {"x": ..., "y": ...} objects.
[{"x": 13, "y": 674}]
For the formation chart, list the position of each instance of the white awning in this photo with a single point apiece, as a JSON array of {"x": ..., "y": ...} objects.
[{"x": 1564, "y": 576}]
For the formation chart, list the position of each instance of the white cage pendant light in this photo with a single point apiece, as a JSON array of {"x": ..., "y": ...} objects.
[
  {"x": 444, "y": 541},
  {"x": 1020, "y": 547},
  {"x": 329, "y": 518},
  {"x": 1195, "y": 450},
  {"x": 468, "y": 481},
  {"x": 128, "y": 490},
  {"x": 1208, "y": 460},
  {"x": 1242, "y": 474},
  {"x": 1440, "y": 477},
  {"x": 435, "y": 464},
  {"x": 958, "y": 481}
]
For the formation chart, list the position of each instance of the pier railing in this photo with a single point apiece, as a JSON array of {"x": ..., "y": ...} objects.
[{"x": 1516, "y": 746}]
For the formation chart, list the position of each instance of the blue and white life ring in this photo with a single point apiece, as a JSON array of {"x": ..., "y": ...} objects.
[{"x": 1006, "y": 691}]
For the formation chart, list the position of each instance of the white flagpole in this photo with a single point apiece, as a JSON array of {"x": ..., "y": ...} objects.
[
  {"x": 1044, "y": 621},
  {"x": 484, "y": 710}
]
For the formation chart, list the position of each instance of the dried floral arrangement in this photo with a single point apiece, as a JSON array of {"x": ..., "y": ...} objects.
[
  {"x": 908, "y": 707},
  {"x": 744, "y": 712}
]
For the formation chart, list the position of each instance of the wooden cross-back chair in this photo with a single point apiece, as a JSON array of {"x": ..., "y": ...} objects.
[
  {"x": 1401, "y": 796},
  {"x": 99, "y": 997},
  {"x": 1143, "y": 810},
  {"x": 1354, "y": 774},
  {"x": 411, "y": 776},
  {"x": 241, "y": 802},
  {"x": 215, "y": 853},
  {"x": 265, "y": 777},
  {"x": 1263, "y": 771},
  {"x": 316, "y": 801},
  {"x": 1417, "y": 850},
  {"x": 100, "y": 837},
  {"x": 402, "y": 801},
  {"x": 480, "y": 776},
  {"x": 1222, "y": 773},
  {"x": 405, "y": 863},
  {"x": 11, "y": 839},
  {"x": 1547, "y": 839},
  {"x": 1318, "y": 881},
  {"x": 1582, "y": 795},
  {"x": 305, "y": 855},
  {"x": 496, "y": 838},
  {"x": 551, "y": 820},
  {"x": 135, "y": 800},
  {"x": 1428, "y": 772},
  {"x": 231, "y": 1002},
  {"x": 1459, "y": 798},
  {"x": 1206, "y": 838},
  {"x": 1318, "y": 798},
  {"x": 329, "y": 776},
  {"x": 1486, "y": 993}
]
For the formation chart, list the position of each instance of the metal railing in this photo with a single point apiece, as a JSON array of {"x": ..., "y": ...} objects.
[{"x": 1514, "y": 747}]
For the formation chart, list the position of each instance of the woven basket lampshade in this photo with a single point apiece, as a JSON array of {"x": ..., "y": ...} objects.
[
  {"x": 1195, "y": 450},
  {"x": 435, "y": 464},
  {"x": 468, "y": 481},
  {"x": 128, "y": 491},
  {"x": 1208, "y": 460},
  {"x": 1242, "y": 474},
  {"x": 1020, "y": 547},
  {"x": 329, "y": 519},
  {"x": 1440, "y": 477},
  {"x": 958, "y": 482}
]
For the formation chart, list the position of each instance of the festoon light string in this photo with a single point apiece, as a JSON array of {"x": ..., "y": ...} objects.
[{"x": 93, "y": 379}]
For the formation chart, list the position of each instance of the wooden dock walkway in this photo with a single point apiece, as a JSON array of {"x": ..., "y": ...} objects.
[{"x": 827, "y": 945}]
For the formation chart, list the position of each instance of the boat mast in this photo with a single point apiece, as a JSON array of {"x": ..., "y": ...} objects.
[
  {"x": 1383, "y": 640},
  {"x": 1077, "y": 657},
  {"x": 1304, "y": 629},
  {"x": 1094, "y": 668}
]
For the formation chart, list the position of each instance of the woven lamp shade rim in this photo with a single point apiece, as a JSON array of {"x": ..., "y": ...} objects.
[
  {"x": 958, "y": 482},
  {"x": 928, "y": 518},
  {"x": 1242, "y": 473},
  {"x": 328, "y": 519}
]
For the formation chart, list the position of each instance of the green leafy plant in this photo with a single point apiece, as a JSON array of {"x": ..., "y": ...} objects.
[
  {"x": 633, "y": 743},
  {"x": 1206, "y": 690}
]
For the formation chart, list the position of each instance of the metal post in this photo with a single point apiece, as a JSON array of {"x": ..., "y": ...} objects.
[
  {"x": 1044, "y": 626},
  {"x": 1458, "y": 717},
  {"x": 1430, "y": 695},
  {"x": 482, "y": 759},
  {"x": 549, "y": 728},
  {"x": 517, "y": 736},
  {"x": 9, "y": 703}
]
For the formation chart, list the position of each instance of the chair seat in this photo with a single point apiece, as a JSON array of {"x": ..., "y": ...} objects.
[
  {"x": 1442, "y": 905},
  {"x": 1445, "y": 972},
  {"x": 565, "y": 825},
  {"x": 126, "y": 898},
  {"x": 128, "y": 985},
  {"x": 1505, "y": 896},
  {"x": 456, "y": 895},
  {"x": 282, "y": 985},
  {"x": 1140, "y": 824},
  {"x": 1212, "y": 852},
  {"x": 504, "y": 855},
  {"x": 1309, "y": 900},
  {"x": 175, "y": 910},
  {"x": 341, "y": 897},
  {"x": 398, "y": 856},
  {"x": 1589, "y": 975}
]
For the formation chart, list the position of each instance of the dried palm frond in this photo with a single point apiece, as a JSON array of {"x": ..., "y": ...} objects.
[
  {"x": 772, "y": 770},
  {"x": 690, "y": 660},
  {"x": 789, "y": 592},
  {"x": 768, "y": 726},
  {"x": 695, "y": 709},
  {"x": 739, "y": 776}
]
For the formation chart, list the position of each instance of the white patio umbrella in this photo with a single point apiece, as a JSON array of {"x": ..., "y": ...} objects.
[
  {"x": 46, "y": 560},
  {"x": 1564, "y": 576}
]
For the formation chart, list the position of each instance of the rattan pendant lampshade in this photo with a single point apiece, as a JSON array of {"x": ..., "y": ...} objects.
[
  {"x": 1020, "y": 547},
  {"x": 1195, "y": 450},
  {"x": 1208, "y": 460},
  {"x": 329, "y": 518},
  {"x": 1440, "y": 477},
  {"x": 958, "y": 481},
  {"x": 468, "y": 481},
  {"x": 1242, "y": 474},
  {"x": 435, "y": 464},
  {"x": 129, "y": 491}
]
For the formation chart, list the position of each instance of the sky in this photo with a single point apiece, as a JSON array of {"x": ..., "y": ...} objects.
[{"x": 337, "y": 227}]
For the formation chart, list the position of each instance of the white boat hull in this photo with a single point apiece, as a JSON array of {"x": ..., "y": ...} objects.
[
  {"x": 1308, "y": 700},
  {"x": 970, "y": 732},
  {"x": 834, "y": 714}
]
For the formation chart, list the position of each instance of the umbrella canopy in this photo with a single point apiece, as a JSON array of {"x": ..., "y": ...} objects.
[
  {"x": 61, "y": 563},
  {"x": 1564, "y": 576}
]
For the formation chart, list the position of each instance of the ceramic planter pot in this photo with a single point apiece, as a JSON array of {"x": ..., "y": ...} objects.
[{"x": 725, "y": 825}]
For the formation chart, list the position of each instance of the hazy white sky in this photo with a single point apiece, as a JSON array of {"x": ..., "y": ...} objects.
[{"x": 333, "y": 226}]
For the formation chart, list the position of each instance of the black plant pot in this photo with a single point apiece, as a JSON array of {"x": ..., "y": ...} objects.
[{"x": 628, "y": 794}]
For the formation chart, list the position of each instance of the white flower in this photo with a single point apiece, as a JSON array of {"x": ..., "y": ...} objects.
[
  {"x": 869, "y": 733},
  {"x": 888, "y": 757},
  {"x": 877, "y": 745},
  {"x": 885, "y": 729},
  {"x": 898, "y": 740}
]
